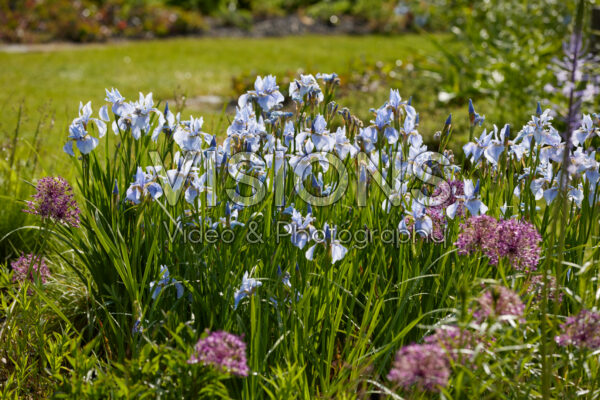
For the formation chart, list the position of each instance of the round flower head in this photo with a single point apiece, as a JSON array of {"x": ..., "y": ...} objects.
[
  {"x": 478, "y": 233},
  {"x": 454, "y": 341},
  {"x": 498, "y": 302},
  {"x": 519, "y": 241},
  {"x": 54, "y": 200},
  {"x": 30, "y": 267},
  {"x": 422, "y": 365},
  {"x": 223, "y": 351},
  {"x": 516, "y": 240},
  {"x": 581, "y": 330}
]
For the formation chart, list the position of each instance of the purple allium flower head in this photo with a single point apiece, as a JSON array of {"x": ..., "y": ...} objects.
[
  {"x": 535, "y": 287},
  {"x": 499, "y": 301},
  {"x": 454, "y": 340},
  {"x": 514, "y": 239},
  {"x": 478, "y": 233},
  {"x": 222, "y": 350},
  {"x": 30, "y": 267},
  {"x": 581, "y": 330},
  {"x": 422, "y": 365},
  {"x": 519, "y": 241},
  {"x": 54, "y": 199}
]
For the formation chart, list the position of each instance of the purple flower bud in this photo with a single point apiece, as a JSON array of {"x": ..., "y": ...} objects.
[
  {"x": 447, "y": 126},
  {"x": 314, "y": 182},
  {"x": 327, "y": 234},
  {"x": 474, "y": 118}
]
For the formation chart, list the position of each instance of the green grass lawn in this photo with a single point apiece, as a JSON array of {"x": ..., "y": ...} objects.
[{"x": 53, "y": 82}]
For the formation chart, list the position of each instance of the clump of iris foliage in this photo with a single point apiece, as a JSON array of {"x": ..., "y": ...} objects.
[{"x": 309, "y": 254}]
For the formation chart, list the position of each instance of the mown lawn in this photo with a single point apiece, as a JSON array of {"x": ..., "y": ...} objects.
[{"x": 53, "y": 81}]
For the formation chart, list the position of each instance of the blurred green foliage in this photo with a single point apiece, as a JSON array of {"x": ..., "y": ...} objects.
[
  {"x": 92, "y": 20},
  {"x": 507, "y": 48}
]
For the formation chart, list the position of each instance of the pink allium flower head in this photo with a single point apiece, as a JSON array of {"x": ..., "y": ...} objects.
[
  {"x": 422, "y": 365},
  {"x": 478, "y": 233},
  {"x": 581, "y": 330},
  {"x": 519, "y": 241},
  {"x": 222, "y": 350},
  {"x": 454, "y": 341},
  {"x": 30, "y": 267},
  {"x": 498, "y": 301},
  {"x": 516, "y": 240},
  {"x": 54, "y": 199}
]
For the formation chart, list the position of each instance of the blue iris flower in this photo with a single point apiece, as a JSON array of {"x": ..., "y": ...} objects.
[
  {"x": 248, "y": 287},
  {"x": 266, "y": 93},
  {"x": 164, "y": 281},
  {"x": 144, "y": 184}
]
